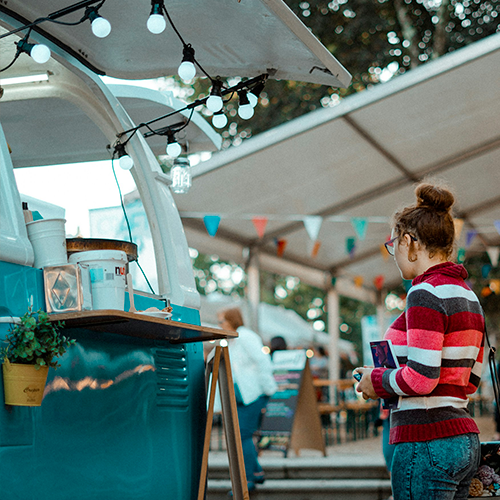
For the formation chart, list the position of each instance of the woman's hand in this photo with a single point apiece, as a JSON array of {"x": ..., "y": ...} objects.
[{"x": 365, "y": 384}]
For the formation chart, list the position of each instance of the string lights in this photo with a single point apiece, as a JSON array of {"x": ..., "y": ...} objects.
[{"x": 248, "y": 91}]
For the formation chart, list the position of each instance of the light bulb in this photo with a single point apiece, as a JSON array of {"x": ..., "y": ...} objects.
[
  {"x": 156, "y": 23},
  {"x": 253, "y": 99},
  {"x": 125, "y": 162},
  {"x": 40, "y": 53},
  {"x": 245, "y": 111},
  {"x": 219, "y": 120},
  {"x": 101, "y": 27},
  {"x": 174, "y": 149},
  {"x": 186, "y": 71},
  {"x": 214, "y": 103}
]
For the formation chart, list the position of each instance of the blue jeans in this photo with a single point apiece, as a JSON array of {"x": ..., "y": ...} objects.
[
  {"x": 249, "y": 417},
  {"x": 441, "y": 469}
]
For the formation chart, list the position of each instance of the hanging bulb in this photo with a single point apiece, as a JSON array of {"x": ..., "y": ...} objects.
[
  {"x": 174, "y": 149},
  {"x": 253, "y": 99},
  {"x": 156, "y": 22},
  {"x": 253, "y": 95},
  {"x": 245, "y": 109},
  {"x": 39, "y": 53},
  {"x": 214, "y": 102},
  {"x": 100, "y": 27},
  {"x": 181, "y": 176},
  {"x": 124, "y": 160},
  {"x": 187, "y": 70},
  {"x": 219, "y": 120}
]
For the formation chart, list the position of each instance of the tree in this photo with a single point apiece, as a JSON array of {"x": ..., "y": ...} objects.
[{"x": 375, "y": 40}]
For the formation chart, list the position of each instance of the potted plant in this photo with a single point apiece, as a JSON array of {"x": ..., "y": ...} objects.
[{"x": 32, "y": 347}]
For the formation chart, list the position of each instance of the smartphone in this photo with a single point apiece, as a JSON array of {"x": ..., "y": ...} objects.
[{"x": 357, "y": 376}]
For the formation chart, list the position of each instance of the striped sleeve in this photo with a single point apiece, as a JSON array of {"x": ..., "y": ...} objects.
[{"x": 426, "y": 323}]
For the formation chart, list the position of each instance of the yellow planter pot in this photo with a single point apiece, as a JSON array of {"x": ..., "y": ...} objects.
[{"x": 23, "y": 385}]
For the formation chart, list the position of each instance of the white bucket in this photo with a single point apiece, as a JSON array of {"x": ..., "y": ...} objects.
[
  {"x": 48, "y": 238},
  {"x": 107, "y": 276}
]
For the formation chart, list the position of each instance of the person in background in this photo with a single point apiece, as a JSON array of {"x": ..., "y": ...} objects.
[
  {"x": 439, "y": 341},
  {"x": 278, "y": 344},
  {"x": 254, "y": 384}
]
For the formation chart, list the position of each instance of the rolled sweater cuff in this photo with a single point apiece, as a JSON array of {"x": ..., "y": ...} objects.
[{"x": 376, "y": 377}]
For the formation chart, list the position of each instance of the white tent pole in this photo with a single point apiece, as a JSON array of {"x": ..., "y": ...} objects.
[
  {"x": 253, "y": 290},
  {"x": 333, "y": 305}
]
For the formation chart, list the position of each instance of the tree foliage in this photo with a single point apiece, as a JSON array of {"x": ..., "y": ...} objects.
[{"x": 375, "y": 40}]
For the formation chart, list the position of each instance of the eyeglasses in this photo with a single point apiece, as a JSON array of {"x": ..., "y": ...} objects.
[{"x": 389, "y": 245}]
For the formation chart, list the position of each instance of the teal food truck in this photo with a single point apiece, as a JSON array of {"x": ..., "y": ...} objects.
[{"x": 123, "y": 417}]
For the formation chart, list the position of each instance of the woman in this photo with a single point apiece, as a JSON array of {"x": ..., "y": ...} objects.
[
  {"x": 253, "y": 384},
  {"x": 439, "y": 344}
]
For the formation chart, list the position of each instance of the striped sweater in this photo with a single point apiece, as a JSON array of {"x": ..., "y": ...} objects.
[{"x": 439, "y": 342}]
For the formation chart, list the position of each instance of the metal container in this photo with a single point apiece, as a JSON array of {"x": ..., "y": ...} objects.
[{"x": 67, "y": 288}]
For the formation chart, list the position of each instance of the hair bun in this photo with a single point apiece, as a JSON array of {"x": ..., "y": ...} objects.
[{"x": 436, "y": 197}]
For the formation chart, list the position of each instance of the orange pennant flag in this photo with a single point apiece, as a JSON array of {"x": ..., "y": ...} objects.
[
  {"x": 315, "y": 250},
  {"x": 260, "y": 224},
  {"x": 384, "y": 252},
  {"x": 281, "y": 245},
  {"x": 358, "y": 281}
]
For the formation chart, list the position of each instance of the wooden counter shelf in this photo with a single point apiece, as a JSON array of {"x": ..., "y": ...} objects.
[{"x": 140, "y": 326}]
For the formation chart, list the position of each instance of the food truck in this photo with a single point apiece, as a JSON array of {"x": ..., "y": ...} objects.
[{"x": 123, "y": 417}]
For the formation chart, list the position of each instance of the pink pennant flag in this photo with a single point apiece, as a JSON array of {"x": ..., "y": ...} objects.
[{"x": 260, "y": 224}]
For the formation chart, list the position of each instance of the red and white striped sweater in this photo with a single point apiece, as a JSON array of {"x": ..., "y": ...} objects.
[{"x": 439, "y": 342}]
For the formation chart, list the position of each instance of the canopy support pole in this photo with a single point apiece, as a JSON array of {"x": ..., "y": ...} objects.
[
  {"x": 253, "y": 290},
  {"x": 333, "y": 307}
]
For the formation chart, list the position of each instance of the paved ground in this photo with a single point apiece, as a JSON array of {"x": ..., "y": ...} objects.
[{"x": 365, "y": 450}]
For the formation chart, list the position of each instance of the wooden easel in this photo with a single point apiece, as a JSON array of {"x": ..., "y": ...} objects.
[{"x": 220, "y": 369}]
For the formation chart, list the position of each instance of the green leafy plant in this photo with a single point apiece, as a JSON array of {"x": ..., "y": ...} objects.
[{"x": 36, "y": 341}]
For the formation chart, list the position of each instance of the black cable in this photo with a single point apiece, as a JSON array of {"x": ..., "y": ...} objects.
[
  {"x": 55, "y": 15},
  {"x": 184, "y": 44},
  {"x": 18, "y": 53}
]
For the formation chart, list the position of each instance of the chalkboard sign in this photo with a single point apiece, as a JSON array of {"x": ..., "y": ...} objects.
[{"x": 292, "y": 418}]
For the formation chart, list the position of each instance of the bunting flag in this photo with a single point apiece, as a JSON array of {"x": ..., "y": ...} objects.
[
  {"x": 461, "y": 255},
  {"x": 493, "y": 254},
  {"x": 212, "y": 224},
  {"x": 280, "y": 247},
  {"x": 378, "y": 281},
  {"x": 486, "y": 291},
  {"x": 313, "y": 248},
  {"x": 471, "y": 234},
  {"x": 312, "y": 224},
  {"x": 350, "y": 245},
  {"x": 485, "y": 270},
  {"x": 495, "y": 286},
  {"x": 384, "y": 252},
  {"x": 358, "y": 281},
  {"x": 260, "y": 224},
  {"x": 497, "y": 225},
  {"x": 459, "y": 224},
  {"x": 360, "y": 225}
]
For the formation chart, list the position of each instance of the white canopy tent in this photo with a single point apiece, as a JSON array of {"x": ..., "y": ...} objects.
[{"x": 359, "y": 159}]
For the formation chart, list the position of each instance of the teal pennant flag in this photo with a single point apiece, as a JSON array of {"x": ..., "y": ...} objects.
[
  {"x": 360, "y": 225},
  {"x": 212, "y": 224},
  {"x": 350, "y": 245}
]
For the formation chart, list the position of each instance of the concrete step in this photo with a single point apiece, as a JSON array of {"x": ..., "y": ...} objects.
[
  {"x": 328, "y": 468},
  {"x": 308, "y": 489}
]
